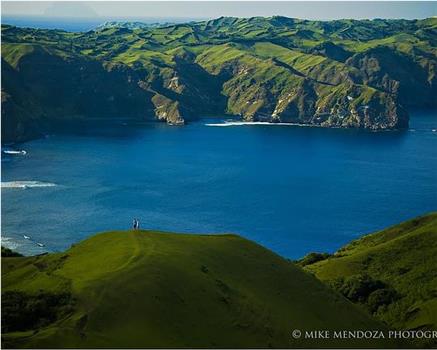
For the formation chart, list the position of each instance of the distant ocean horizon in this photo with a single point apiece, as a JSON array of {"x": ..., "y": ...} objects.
[{"x": 75, "y": 24}]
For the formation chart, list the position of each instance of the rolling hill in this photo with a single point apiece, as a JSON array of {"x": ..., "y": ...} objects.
[
  {"x": 153, "y": 289},
  {"x": 344, "y": 73},
  {"x": 391, "y": 273}
]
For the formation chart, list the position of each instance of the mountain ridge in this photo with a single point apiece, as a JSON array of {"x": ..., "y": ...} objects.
[{"x": 343, "y": 73}]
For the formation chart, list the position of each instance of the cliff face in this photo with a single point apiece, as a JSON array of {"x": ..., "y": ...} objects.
[
  {"x": 44, "y": 89},
  {"x": 361, "y": 74}
]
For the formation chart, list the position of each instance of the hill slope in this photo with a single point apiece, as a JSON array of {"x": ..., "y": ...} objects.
[
  {"x": 345, "y": 73},
  {"x": 392, "y": 273},
  {"x": 153, "y": 289}
]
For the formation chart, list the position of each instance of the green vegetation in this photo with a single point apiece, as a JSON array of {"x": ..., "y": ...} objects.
[
  {"x": 312, "y": 258},
  {"x": 392, "y": 274},
  {"x": 343, "y": 73},
  {"x": 154, "y": 289},
  {"x": 23, "y": 312}
]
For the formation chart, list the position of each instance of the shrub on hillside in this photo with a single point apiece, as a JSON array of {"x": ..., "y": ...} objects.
[
  {"x": 365, "y": 290},
  {"x": 22, "y": 311},
  {"x": 381, "y": 297},
  {"x": 312, "y": 258},
  {"x": 359, "y": 287}
]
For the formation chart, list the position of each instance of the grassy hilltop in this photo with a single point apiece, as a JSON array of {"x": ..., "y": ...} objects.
[
  {"x": 391, "y": 273},
  {"x": 154, "y": 289},
  {"x": 344, "y": 73}
]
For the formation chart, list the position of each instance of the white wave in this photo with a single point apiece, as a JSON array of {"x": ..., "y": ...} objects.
[
  {"x": 26, "y": 184},
  {"x": 9, "y": 242},
  {"x": 8, "y": 151},
  {"x": 254, "y": 123}
]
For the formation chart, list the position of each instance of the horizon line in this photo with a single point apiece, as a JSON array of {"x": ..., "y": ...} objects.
[{"x": 138, "y": 18}]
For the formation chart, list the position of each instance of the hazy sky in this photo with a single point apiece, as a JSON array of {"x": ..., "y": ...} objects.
[{"x": 212, "y": 9}]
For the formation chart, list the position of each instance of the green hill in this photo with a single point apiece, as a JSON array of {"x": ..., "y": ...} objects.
[
  {"x": 345, "y": 73},
  {"x": 154, "y": 289},
  {"x": 391, "y": 273}
]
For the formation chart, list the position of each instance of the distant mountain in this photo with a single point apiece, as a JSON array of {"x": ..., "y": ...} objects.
[
  {"x": 132, "y": 25},
  {"x": 343, "y": 73},
  {"x": 147, "y": 289},
  {"x": 392, "y": 274}
]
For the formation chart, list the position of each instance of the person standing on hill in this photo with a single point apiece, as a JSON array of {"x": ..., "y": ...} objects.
[
  {"x": 138, "y": 224},
  {"x": 135, "y": 224}
]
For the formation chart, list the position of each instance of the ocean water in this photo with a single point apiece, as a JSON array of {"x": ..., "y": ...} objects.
[
  {"x": 74, "y": 24},
  {"x": 292, "y": 189}
]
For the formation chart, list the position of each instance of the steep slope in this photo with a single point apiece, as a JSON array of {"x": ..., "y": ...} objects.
[
  {"x": 392, "y": 273},
  {"x": 153, "y": 289},
  {"x": 46, "y": 87},
  {"x": 362, "y": 74}
]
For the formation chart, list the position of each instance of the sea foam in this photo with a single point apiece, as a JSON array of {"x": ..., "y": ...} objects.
[
  {"x": 8, "y": 151},
  {"x": 253, "y": 123},
  {"x": 26, "y": 184},
  {"x": 9, "y": 242}
]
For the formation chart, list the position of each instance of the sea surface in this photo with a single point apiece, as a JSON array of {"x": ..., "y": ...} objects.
[
  {"x": 292, "y": 189},
  {"x": 74, "y": 24}
]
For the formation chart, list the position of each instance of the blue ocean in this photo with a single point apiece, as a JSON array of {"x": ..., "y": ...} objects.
[
  {"x": 72, "y": 24},
  {"x": 292, "y": 189}
]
